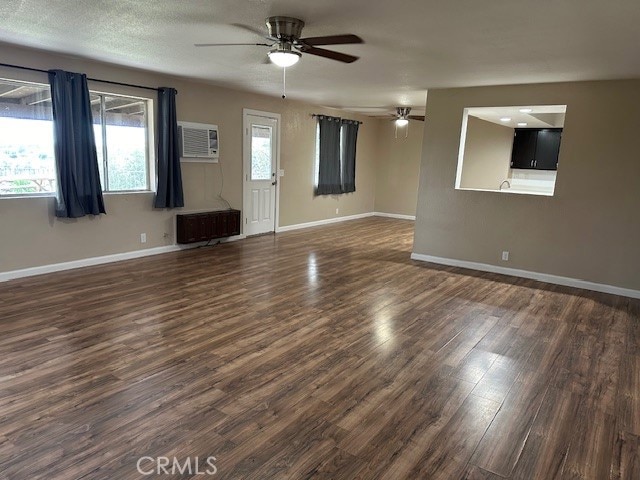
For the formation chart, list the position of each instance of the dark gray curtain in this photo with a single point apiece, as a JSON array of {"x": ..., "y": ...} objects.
[
  {"x": 349, "y": 139},
  {"x": 169, "y": 194},
  {"x": 329, "y": 153},
  {"x": 79, "y": 192}
]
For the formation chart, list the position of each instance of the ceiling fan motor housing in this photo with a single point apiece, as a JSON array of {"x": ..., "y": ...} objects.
[
  {"x": 286, "y": 29},
  {"x": 403, "y": 112}
]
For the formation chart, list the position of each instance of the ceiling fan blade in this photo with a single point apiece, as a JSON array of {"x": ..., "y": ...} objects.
[
  {"x": 332, "y": 40},
  {"x": 231, "y": 44},
  {"x": 417, "y": 117},
  {"x": 321, "y": 52}
]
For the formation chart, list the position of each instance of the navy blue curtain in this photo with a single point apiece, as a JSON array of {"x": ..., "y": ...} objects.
[
  {"x": 79, "y": 191},
  {"x": 349, "y": 139},
  {"x": 329, "y": 182},
  {"x": 169, "y": 194}
]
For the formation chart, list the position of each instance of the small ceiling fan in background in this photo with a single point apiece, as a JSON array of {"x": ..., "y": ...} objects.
[
  {"x": 402, "y": 117},
  {"x": 284, "y": 34}
]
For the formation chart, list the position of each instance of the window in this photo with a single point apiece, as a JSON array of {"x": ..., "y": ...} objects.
[
  {"x": 27, "y": 160},
  {"x": 27, "y": 163},
  {"x": 120, "y": 125},
  {"x": 335, "y": 174}
]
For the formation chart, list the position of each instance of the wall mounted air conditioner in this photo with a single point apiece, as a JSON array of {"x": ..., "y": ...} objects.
[{"x": 199, "y": 142}]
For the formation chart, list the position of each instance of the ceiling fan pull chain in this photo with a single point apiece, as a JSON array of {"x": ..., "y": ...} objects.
[{"x": 284, "y": 83}]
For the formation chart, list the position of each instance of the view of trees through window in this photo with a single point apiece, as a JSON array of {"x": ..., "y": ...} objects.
[
  {"x": 260, "y": 153},
  {"x": 27, "y": 162}
]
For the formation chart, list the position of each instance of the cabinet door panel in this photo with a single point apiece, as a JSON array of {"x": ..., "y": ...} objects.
[
  {"x": 203, "y": 228},
  {"x": 547, "y": 149},
  {"x": 213, "y": 224},
  {"x": 234, "y": 222},
  {"x": 222, "y": 229},
  {"x": 190, "y": 229},
  {"x": 524, "y": 149}
]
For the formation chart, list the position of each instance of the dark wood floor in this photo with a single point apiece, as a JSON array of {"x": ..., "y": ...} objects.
[{"x": 323, "y": 353}]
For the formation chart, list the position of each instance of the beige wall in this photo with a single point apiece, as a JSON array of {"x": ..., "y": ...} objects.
[
  {"x": 32, "y": 236},
  {"x": 487, "y": 154},
  {"x": 397, "y": 167},
  {"x": 588, "y": 230}
]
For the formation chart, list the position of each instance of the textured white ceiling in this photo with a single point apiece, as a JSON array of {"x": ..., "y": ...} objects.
[{"x": 411, "y": 45}]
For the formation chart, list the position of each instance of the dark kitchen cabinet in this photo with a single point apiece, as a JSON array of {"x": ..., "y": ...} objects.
[
  {"x": 547, "y": 149},
  {"x": 536, "y": 148},
  {"x": 205, "y": 226},
  {"x": 524, "y": 148}
]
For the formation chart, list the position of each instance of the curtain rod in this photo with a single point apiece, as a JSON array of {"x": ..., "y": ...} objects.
[
  {"x": 323, "y": 115},
  {"x": 88, "y": 78}
]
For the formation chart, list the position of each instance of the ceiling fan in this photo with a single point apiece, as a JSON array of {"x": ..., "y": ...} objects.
[
  {"x": 284, "y": 34},
  {"x": 401, "y": 119},
  {"x": 402, "y": 116}
]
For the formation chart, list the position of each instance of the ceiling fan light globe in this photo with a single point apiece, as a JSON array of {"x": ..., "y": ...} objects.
[
  {"x": 401, "y": 122},
  {"x": 284, "y": 58}
]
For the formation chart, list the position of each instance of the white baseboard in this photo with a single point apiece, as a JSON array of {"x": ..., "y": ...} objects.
[
  {"x": 235, "y": 238},
  {"x": 542, "y": 277},
  {"x": 327, "y": 221},
  {"x": 116, "y": 257},
  {"x": 395, "y": 215},
  {"x": 85, "y": 262}
]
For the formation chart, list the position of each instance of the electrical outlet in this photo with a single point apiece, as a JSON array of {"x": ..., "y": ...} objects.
[
  {"x": 143, "y": 238},
  {"x": 337, "y": 211},
  {"x": 505, "y": 256}
]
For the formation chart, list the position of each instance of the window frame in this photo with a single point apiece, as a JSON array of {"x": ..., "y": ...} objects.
[
  {"x": 150, "y": 156},
  {"x": 316, "y": 174},
  {"x": 149, "y": 142},
  {"x": 27, "y": 83}
]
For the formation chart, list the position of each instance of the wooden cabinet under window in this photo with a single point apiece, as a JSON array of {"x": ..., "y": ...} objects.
[
  {"x": 205, "y": 226},
  {"x": 536, "y": 148}
]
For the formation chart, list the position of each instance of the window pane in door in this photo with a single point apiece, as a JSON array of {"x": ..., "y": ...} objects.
[{"x": 260, "y": 152}]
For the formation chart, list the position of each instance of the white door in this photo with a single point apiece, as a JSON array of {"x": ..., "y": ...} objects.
[{"x": 260, "y": 179}]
